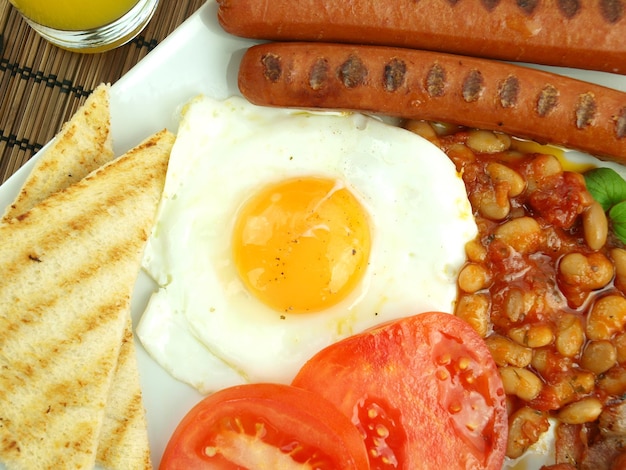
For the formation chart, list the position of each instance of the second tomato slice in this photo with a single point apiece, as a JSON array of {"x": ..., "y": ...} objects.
[{"x": 424, "y": 391}]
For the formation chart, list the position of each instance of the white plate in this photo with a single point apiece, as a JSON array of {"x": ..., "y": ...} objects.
[{"x": 199, "y": 57}]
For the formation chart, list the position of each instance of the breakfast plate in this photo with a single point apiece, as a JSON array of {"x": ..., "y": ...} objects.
[{"x": 197, "y": 58}]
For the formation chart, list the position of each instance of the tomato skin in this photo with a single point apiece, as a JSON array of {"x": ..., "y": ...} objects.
[
  {"x": 414, "y": 386},
  {"x": 290, "y": 416}
]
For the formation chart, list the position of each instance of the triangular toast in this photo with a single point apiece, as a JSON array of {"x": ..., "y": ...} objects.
[
  {"x": 82, "y": 145},
  {"x": 68, "y": 270}
]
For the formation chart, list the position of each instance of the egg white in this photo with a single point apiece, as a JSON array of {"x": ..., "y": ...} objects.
[{"x": 225, "y": 151}]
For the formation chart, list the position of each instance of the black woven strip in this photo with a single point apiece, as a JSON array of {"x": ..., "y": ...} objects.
[
  {"x": 22, "y": 144},
  {"x": 50, "y": 80},
  {"x": 141, "y": 41}
]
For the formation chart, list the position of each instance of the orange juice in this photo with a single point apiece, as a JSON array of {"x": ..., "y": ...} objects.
[{"x": 73, "y": 15}]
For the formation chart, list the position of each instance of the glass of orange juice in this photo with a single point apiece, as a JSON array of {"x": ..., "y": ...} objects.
[{"x": 87, "y": 25}]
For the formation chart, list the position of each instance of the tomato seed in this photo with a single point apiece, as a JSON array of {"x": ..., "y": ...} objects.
[
  {"x": 455, "y": 407},
  {"x": 382, "y": 430},
  {"x": 444, "y": 359},
  {"x": 471, "y": 426},
  {"x": 464, "y": 363}
]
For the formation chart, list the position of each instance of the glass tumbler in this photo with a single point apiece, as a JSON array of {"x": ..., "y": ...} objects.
[{"x": 87, "y": 25}]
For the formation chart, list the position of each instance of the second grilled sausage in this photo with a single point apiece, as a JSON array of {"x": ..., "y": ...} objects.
[
  {"x": 571, "y": 33},
  {"x": 406, "y": 83}
]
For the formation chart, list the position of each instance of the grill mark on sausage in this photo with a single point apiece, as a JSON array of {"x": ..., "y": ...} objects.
[
  {"x": 272, "y": 68},
  {"x": 527, "y": 6},
  {"x": 547, "y": 100},
  {"x": 394, "y": 74},
  {"x": 612, "y": 10},
  {"x": 490, "y": 4},
  {"x": 508, "y": 92},
  {"x": 585, "y": 110},
  {"x": 620, "y": 124},
  {"x": 436, "y": 81},
  {"x": 473, "y": 86},
  {"x": 318, "y": 75},
  {"x": 453, "y": 2},
  {"x": 352, "y": 72},
  {"x": 569, "y": 8}
]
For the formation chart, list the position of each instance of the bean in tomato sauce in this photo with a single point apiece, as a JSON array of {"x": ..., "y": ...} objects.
[{"x": 545, "y": 285}]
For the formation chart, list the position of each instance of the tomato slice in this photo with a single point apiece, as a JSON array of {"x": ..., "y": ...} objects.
[
  {"x": 265, "y": 426},
  {"x": 424, "y": 391}
]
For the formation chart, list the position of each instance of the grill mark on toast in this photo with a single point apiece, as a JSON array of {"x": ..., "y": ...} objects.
[
  {"x": 55, "y": 241},
  {"x": 60, "y": 397},
  {"x": 120, "y": 446},
  {"x": 34, "y": 309},
  {"x": 34, "y": 369},
  {"x": 133, "y": 410},
  {"x": 86, "y": 220}
]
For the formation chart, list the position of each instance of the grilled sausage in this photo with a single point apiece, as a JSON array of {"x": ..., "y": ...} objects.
[
  {"x": 407, "y": 83},
  {"x": 574, "y": 33}
]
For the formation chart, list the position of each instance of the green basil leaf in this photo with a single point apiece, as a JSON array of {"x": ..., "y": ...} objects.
[
  {"x": 617, "y": 214},
  {"x": 606, "y": 186}
]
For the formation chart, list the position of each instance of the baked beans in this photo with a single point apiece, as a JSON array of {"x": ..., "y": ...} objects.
[
  {"x": 544, "y": 284},
  {"x": 474, "y": 309},
  {"x": 525, "y": 426},
  {"x": 583, "y": 411},
  {"x": 595, "y": 226},
  {"x": 521, "y": 382}
]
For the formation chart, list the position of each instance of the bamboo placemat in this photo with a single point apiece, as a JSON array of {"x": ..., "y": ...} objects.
[{"x": 41, "y": 86}]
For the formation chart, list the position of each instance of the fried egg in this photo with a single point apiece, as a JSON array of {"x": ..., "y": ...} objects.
[{"x": 281, "y": 231}]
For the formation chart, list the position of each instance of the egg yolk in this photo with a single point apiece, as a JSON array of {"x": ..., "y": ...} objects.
[
  {"x": 526, "y": 146},
  {"x": 301, "y": 245}
]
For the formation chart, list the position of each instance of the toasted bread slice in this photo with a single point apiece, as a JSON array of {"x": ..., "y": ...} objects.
[
  {"x": 124, "y": 439},
  {"x": 72, "y": 262},
  {"x": 82, "y": 145}
]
